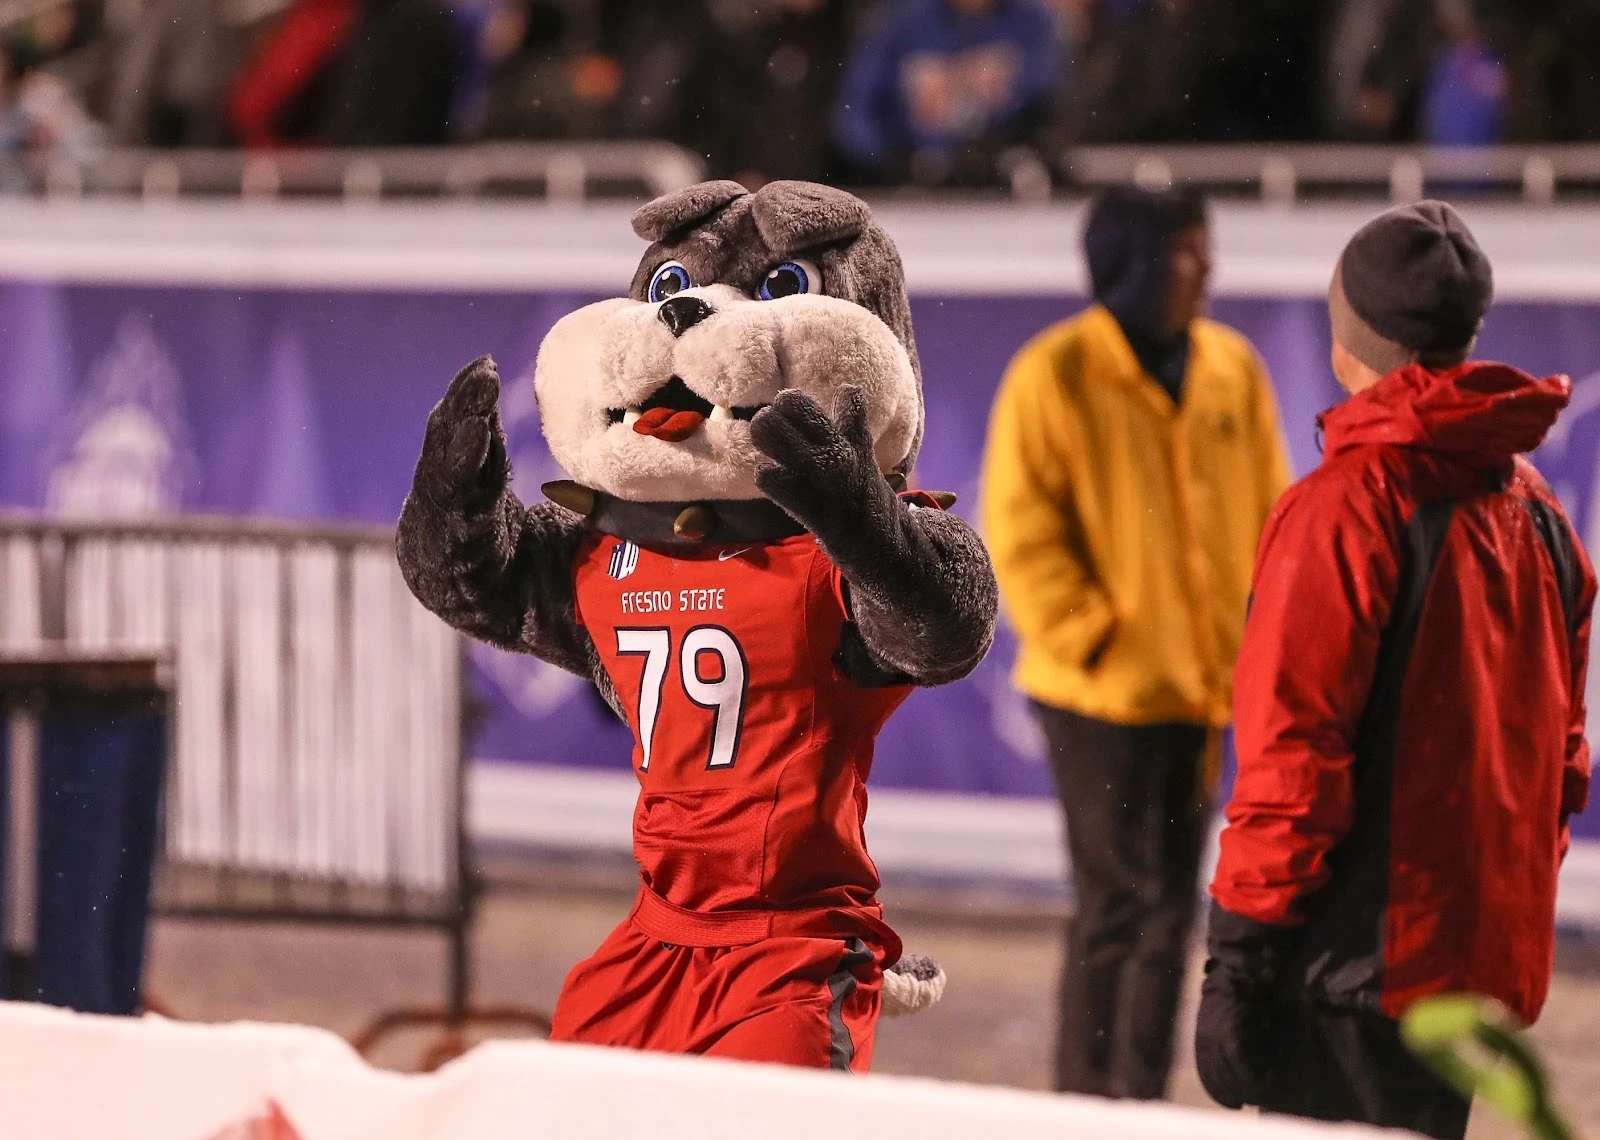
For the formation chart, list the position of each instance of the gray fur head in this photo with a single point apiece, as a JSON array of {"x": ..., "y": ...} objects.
[{"x": 601, "y": 365}]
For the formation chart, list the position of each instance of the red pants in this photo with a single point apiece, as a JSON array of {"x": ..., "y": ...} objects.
[{"x": 791, "y": 1000}]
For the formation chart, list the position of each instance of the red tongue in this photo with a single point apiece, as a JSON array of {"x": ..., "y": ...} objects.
[{"x": 672, "y": 426}]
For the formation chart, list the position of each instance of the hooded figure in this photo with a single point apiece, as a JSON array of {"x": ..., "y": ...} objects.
[
  {"x": 1409, "y": 706},
  {"x": 1133, "y": 456},
  {"x": 1128, "y": 243}
]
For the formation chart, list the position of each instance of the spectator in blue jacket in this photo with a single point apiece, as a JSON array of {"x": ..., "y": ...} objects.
[
  {"x": 1465, "y": 99},
  {"x": 936, "y": 88}
]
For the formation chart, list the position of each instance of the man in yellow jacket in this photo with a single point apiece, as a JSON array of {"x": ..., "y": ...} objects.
[{"x": 1134, "y": 452}]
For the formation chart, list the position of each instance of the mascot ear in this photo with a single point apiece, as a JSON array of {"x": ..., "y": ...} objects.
[
  {"x": 672, "y": 212},
  {"x": 792, "y": 216}
]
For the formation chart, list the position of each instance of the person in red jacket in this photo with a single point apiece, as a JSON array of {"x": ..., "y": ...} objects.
[{"x": 1409, "y": 708}]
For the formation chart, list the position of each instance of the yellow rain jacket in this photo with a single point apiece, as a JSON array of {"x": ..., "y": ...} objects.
[{"x": 1123, "y": 527}]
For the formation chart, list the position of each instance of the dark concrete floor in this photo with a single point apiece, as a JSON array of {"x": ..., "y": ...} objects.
[{"x": 994, "y": 1025}]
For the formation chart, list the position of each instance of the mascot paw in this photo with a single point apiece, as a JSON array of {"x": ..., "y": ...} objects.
[
  {"x": 911, "y": 985},
  {"x": 816, "y": 462},
  {"x": 464, "y": 452}
]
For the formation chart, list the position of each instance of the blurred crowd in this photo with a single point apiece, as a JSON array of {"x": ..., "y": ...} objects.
[{"x": 929, "y": 91}]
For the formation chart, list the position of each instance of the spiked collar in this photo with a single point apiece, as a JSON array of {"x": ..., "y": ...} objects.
[{"x": 712, "y": 523}]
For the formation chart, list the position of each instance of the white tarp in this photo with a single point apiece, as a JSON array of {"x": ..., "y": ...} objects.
[{"x": 66, "y": 1076}]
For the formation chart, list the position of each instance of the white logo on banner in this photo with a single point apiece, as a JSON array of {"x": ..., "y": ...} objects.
[
  {"x": 1011, "y": 716},
  {"x": 127, "y": 452}
]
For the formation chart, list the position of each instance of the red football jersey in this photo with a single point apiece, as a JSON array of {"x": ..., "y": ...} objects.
[{"x": 752, "y": 749}]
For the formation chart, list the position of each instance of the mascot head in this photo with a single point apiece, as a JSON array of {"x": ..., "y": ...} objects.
[{"x": 649, "y": 397}]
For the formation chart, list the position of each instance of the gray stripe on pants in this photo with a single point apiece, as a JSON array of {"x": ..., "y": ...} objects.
[{"x": 841, "y": 984}]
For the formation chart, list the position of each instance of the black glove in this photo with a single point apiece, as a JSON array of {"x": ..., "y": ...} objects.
[
  {"x": 824, "y": 472},
  {"x": 463, "y": 464},
  {"x": 1239, "y": 1002}
]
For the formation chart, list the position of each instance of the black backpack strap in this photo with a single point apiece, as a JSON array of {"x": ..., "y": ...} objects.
[
  {"x": 1341, "y": 959},
  {"x": 1419, "y": 556},
  {"x": 1558, "y": 540}
]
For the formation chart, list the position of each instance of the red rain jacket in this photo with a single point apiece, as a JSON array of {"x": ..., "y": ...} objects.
[{"x": 1409, "y": 700}]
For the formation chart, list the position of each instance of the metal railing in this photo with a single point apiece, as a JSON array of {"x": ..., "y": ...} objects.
[
  {"x": 580, "y": 170},
  {"x": 317, "y": 761},
  {"x": 1536, "y": 173},
  {"x": 549, "y": 170}
]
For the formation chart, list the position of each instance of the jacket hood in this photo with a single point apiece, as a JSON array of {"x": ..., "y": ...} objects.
[
  {"x": 1127, "y": 243},
  {"x": 1481, "y": 413}
]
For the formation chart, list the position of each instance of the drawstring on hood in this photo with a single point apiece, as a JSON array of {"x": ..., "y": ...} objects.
[{"x": 1479, "y": 413}]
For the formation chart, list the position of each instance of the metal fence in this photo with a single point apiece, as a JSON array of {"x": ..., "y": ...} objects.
[
  {"x": 555, "y": 171},
  {"x": 1537, "y": 173},
  {"x": 317, "y": 767},
  {"x": 580, "y": 170}
]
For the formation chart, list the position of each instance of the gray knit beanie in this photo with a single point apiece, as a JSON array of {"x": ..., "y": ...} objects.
[{"x": 1412, "y": 286}]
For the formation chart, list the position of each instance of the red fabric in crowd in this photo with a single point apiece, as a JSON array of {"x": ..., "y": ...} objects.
[{"x": 306, "y": 37}]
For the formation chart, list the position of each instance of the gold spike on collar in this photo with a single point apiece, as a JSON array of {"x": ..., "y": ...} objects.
[{"x": 713, "y": 522}]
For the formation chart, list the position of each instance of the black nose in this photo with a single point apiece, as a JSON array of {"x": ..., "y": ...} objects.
[{"x": 680, "y": 314}]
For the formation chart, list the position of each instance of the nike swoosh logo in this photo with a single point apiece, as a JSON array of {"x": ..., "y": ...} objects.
[{"x": 727, "y": 554}]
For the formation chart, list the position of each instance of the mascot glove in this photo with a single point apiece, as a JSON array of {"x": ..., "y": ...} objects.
[
  {"x": 1238, "y": 1003},
  {"x": 464, "y": 463},
  {"x": 823, "y": 471}
]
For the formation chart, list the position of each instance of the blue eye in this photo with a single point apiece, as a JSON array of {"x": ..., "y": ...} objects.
[
  {"x": 669, "y": 279},
  {"x": 790, "y": 279}
]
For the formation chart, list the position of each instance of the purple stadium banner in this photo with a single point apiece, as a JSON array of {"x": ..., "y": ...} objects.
[{"x": 310, "y": 404}]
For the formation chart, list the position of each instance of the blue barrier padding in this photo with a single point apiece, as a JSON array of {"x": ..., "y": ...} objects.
[{"x": 100, "y": 778}]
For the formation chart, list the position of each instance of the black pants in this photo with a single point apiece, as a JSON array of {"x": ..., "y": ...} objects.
[
  {"x": 1136, "y": 816},
  {"x": 1342, "y": 1065}
]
